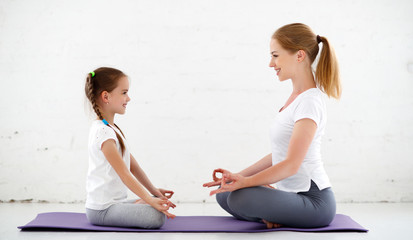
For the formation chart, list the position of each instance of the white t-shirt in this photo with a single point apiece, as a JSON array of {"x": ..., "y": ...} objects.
[
  {"x": 104, "y": 187},
  {"x": 309, "y": 104}
]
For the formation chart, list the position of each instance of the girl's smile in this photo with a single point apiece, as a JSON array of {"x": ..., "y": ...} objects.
[{"x": 119, "y": 98}]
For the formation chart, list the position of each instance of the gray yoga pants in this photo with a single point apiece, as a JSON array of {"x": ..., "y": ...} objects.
[
  {"x": 127, "y": 214},
  {"x": 310, "y": 209}
]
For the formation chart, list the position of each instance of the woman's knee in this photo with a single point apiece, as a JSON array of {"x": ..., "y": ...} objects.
[
  {"x": 222, "y": 198},
  {"x": 239, "y": 199}
]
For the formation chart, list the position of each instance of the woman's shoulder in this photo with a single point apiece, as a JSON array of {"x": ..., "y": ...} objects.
[
  {"x": 313, "y": 94},
  {"x": 313, "y": 97}
]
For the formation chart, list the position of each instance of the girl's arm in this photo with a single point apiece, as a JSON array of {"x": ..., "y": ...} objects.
[
  {"x": 111, "y": 153},
  {"x": 138, "y": 172},
  {"x": 302, "y": 136}
]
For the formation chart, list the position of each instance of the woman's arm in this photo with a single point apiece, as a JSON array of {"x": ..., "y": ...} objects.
[
  {"x": 302, "y": 136},
  {"x": 257, "y": 167},
  {"x": 262, "y": 164},
  {"x": 112, "y": 155}
]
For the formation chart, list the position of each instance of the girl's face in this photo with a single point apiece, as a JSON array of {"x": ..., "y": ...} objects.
[
  {"x": 283, "y": 61},
  {"x": 118, "y": 98}
]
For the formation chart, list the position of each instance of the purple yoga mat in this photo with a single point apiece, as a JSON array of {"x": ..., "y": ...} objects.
[{"x": 61, "y": 221}]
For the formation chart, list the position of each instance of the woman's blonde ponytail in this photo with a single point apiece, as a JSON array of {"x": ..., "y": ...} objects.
[{"x": 327, "y": 73}]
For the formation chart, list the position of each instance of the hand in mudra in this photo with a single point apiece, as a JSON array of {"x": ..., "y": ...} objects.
[{"x": 228, "y": 182}]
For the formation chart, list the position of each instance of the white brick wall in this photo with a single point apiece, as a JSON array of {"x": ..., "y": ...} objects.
[{"x": 202, "y": 93}]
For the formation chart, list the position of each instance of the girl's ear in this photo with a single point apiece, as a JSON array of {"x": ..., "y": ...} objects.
[
  {"x": 104, "y": 96},
  {"x": 301, "y": 55}
]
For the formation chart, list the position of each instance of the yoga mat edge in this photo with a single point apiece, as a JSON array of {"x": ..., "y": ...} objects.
[{"x": 68, "y": 221}]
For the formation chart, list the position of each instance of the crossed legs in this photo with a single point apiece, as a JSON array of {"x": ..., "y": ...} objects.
[{"x": 310, "y": 209}]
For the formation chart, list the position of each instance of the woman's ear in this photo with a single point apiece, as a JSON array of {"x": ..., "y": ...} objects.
[
  {"x": 301, "y": 55},
  {"x": 104, "y": 96}
]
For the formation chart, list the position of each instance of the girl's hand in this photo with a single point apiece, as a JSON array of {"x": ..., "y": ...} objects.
[
  {"x": 163, "y": 206},
  {"x": 216, "y": 180},
  {"x": 166, "y": 193}
]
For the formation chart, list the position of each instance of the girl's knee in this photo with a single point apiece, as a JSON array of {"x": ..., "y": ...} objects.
[
  {"x": 94, "y": 216},
  {"x": 158, "y": 222},
  {"x": 155, "y": 219}
]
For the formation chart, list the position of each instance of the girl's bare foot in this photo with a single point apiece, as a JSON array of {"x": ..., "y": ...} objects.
[
  {"x": 272, "y": 225},
  {"x": 140, "y": 201}
]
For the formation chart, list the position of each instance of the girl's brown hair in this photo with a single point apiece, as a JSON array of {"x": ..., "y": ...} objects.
[
  {"x": 298, "y": 36},
  {"x": 103, "y": 79}
]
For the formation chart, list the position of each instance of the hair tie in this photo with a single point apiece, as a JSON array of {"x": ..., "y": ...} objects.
[
  {"x": 92, "y": 73},
  {"x": 318, "y": 39},
  {"x": 105, "y": 122}
]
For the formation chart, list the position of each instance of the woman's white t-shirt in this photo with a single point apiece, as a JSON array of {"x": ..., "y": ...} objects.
[
  {"x": 104, "y": 186},
  {"x": 309, "y": 104}
]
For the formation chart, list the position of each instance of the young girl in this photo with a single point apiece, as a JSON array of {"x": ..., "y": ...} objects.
[
  {"x": 303, "y": 197},
  {"x": 112, "y": 169}
]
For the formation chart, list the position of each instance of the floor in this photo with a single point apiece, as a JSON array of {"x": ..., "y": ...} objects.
[{"x": 384, "y": 220}]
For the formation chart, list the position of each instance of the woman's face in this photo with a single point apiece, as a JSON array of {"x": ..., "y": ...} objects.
[{"x": 283, "y": 61}]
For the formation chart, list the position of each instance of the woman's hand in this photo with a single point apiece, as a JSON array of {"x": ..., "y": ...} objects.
[
  {"x": 216, "y": 180},
  {"x": 163, "y": 206},
  {"x": 229, "y": 181}
]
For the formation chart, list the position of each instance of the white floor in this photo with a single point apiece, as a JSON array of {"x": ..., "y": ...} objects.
[{"x": 384, "y": 220}]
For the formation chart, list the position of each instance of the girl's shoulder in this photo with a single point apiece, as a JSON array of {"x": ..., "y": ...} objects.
[
  {"x": 99, "y": 129},
  {"x": 96, "y": 124}
]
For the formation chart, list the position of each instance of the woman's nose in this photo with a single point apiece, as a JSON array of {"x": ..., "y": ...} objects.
[{"x": 272, "y": 63}]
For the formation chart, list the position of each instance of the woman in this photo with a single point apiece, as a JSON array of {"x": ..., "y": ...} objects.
[{"x": 303, "y": 197}]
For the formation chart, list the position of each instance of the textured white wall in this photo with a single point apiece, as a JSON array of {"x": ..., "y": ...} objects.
[{"x": 202, "y": 93}]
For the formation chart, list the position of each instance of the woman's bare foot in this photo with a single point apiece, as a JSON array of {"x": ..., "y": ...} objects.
[{"x": 272, "y": 225}]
